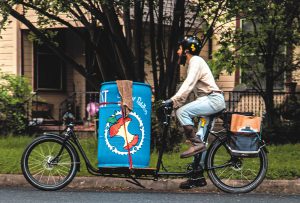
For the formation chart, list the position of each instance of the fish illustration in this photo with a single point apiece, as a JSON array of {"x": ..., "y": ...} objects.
[{"x": 119, "y": 128}]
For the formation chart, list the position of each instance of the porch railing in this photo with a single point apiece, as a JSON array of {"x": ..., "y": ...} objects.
[
  {"x": 245, "y": 101},
  {"x": 76, "y": 103},
  {"x": 38, "y": 111}
]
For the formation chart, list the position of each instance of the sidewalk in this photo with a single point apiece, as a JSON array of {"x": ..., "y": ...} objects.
[{"x": 163, "y": 185}]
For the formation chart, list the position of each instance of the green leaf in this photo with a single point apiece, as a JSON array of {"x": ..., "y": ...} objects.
[{"x": 112, "y": 120}]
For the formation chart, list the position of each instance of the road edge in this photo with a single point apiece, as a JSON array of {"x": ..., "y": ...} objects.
[{"x": 127, "y": 184}]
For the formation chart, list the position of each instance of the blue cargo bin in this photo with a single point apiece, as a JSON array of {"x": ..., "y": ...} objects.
[{"x": 112, "y": 143}]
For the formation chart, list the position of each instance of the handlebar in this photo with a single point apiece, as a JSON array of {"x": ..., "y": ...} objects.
[{"x": 163, "y": 114}]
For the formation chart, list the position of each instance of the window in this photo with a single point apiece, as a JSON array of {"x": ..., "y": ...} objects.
[
  {"x": 254, "y": 61},
  {"x": 249, "y": 74},
  {"x": 49, "y": 68}
]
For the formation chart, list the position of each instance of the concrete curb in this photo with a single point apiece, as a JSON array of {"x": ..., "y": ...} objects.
[{"x": 163, "y": 185}]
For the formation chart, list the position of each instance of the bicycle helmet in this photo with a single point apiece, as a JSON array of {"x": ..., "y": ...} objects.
[{"x": 191, "y": 43}]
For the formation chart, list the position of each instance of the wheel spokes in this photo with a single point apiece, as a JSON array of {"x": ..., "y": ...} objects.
[
  {"x": 42, "y": 167},
  {"x": 241, "y": 171}
]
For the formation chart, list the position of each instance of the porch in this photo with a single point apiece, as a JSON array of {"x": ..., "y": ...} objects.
[
  {"x": 82, "y": 108},
  {"x": 41, "y": 115}
]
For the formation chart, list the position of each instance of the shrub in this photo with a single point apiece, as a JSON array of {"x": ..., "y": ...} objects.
[
  {"x": 290, "y": 108},
  {"x": 282, "y": 133},
  {"x": 14, "y": 91},
  {"x": 287, "y": 127}
]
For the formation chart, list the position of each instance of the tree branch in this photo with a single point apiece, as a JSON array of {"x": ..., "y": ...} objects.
[
  {"x": 209, "y": 32},
  {"x": 51, "y": 16},
  {"x": 82, "y": 18}
]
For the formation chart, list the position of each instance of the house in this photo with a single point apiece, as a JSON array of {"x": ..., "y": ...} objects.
[
  {"x": 53, "y": 82},
  {"x": 57, "y": 84}
]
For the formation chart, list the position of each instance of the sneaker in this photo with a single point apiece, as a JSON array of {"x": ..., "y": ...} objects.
[{"x": 191, "y": 183}]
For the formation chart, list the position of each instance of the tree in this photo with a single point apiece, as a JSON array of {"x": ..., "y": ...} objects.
[
  {"x": 265, "y": 50},
  {"x": 124, "y": 52}
]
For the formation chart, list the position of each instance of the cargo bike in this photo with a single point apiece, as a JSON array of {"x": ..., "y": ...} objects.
[{"x": 234, "y": 162}]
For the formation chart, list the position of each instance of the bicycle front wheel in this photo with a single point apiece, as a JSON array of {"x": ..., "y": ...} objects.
[
  {"x": 48, "y": 165},
  {"x": 235, "y": 174}
]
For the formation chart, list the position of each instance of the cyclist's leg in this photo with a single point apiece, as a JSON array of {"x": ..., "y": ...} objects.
[
  {"x": 201, "y": 135},
  {"x": 203, "y": 106},
  {"x": 217, "y": 102},
  {"x": 200, "y": 107}
]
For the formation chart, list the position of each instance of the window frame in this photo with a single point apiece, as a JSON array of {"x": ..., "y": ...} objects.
[{"x": 49, "y": 52}]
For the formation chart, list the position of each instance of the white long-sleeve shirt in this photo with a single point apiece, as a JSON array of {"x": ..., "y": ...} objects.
[{"x": 199, "y": 78}]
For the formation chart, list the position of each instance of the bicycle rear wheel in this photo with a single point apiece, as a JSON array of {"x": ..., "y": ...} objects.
[
  {"x": 43, "y": 169},
  {"x": 235, "y": 174}
]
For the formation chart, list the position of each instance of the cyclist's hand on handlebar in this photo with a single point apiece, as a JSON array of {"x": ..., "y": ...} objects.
[
  {"x": 164, "y": 110},
  {"x": 168, "y": 103}
]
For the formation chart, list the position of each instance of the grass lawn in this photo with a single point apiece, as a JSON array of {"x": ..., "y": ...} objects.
[{"x": 284, "y": 162}]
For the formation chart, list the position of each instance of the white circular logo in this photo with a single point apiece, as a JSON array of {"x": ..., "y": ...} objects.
[{"x": 119, "y": 127}]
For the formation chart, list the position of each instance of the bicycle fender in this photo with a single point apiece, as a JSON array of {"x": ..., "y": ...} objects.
[
  {"x": 68, "y": 143},
  {"x": 265, "y": 148}
]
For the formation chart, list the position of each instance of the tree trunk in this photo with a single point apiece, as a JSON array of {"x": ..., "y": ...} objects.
[
  {"x": 269, "y": 95},
  {"x": 138, "y": 40},
  {"x": 160, "y": 54},
  {"x": 152, "y": 48},
  {"x": 176, "y": 31},
  {"x": 127, "y": 24},
  {"x": 269, "y": 104},
  {"x": 123, "y": 53}
]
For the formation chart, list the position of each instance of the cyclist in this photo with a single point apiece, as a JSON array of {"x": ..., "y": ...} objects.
[{"x": 209, "y": 98}]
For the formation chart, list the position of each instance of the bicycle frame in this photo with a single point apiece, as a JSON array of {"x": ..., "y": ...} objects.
[{"x": 70, "y": 137}]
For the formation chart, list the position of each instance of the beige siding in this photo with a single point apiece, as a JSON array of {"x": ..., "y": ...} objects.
[
  {"x": 32, "y": 16},
  {"x": 226, "y": 81},
  {"x": 217, "y": 35},
  {"x": 204, "y": 52},
  {"x": 28, "y": 59},
  {"x": 296, "y": 74},
  {"x": 10, "y": 49}
]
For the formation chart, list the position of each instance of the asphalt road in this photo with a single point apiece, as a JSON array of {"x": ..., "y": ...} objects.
[{"x": 29, "y": 195}]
